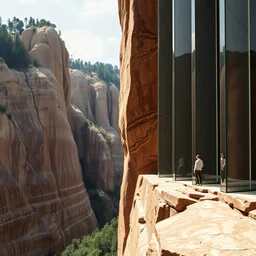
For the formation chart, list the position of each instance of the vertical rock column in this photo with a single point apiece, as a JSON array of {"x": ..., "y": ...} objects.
[{"x": 138, "y": 100}]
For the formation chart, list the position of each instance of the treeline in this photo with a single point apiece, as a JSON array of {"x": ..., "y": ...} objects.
[
  {"x": 101, "y": 243},
  {"x": 12, "y": 50},
  {"x": 17, "y": 26},
  {"x": 105, "y": 71}
]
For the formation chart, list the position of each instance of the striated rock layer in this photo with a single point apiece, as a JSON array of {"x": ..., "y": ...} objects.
[
  {"x": 103, "y": 156},
  {"x": 138, "y": 100},
  {"x": 93, "y": 150},
  {"x": 168, "y": 218},
  {"x": 43, "y": 202}
]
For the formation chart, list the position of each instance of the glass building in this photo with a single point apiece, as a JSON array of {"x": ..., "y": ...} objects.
[{"x": 207, "y": 89}]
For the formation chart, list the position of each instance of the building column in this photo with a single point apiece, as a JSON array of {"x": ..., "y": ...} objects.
[{"x": 165, "y": 57}]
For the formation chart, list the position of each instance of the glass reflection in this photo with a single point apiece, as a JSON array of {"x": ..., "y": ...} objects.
[
  {"x": 237, "y": 95},
  {"x": 182, "y": 89},
  {"x": 253, "y": 90},
  {"x": 222, "y": 90},
  {"x": 205, "y": 95}
]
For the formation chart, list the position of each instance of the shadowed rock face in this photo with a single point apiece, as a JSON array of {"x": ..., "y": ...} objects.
[
  {"x": 43, "y": 201},
  {"x": 98, "y": 103},
  {"x": 93, "y": 150},
  {"x": 138, "y": 100}
]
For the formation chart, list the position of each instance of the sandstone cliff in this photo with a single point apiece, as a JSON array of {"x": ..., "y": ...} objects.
[
  {"x": 102, "y": 155},
  {"x": 43, "y": 201},
  {"x": 93, "y": 150},
  {"x": 138, "y": 100},
  {"x": 46, "y": 49}
]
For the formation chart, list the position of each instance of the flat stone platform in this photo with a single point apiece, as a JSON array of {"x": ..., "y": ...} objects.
[{"x": 177, "y": 218}]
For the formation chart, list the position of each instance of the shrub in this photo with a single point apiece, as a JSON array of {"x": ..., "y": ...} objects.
[
  {"x": 2, "y": 109},
  {"x": 99, "y": 243},
  {"x": 12, "y": 50},
  {"x": 34, "y": 29}
]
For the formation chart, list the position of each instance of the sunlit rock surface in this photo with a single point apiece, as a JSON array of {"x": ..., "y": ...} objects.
[
  {"x": 168, "y": 218},
  {"x": 46, "y": 49},
  {"x": 138, "y": 101}
]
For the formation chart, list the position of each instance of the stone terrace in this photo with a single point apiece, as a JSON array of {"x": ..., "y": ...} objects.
[{"x": 174, "y": 218}]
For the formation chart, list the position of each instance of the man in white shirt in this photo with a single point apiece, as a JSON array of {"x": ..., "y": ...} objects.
[{"x": 197, "y": 170}]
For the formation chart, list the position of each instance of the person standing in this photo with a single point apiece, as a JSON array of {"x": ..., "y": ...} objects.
[
  {"x": 222, "y": 167},
  {"x": 181, "y": 165},
  {"x": 198, "y": 169}
]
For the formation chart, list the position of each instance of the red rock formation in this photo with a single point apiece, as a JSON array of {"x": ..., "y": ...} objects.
[
  {"x": 99, "y": 103},
  {"x": 43, "y": 201},
  {"x": 93, "y": 151},
  {"x": 81, "y": 93},
  {"x": 138, "y": 100},
  {"x": 47, "y": 49}
]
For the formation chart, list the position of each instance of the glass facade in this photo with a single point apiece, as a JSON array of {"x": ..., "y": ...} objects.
[
  {"x": 253, "y": 90},
  {"x": 182, "y": 115},
  {"x": 212, "y": 87},
  {"x": 205, "y": 96}
]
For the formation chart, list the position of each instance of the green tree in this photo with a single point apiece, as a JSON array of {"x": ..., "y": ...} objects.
[
  {"x": 20, "y": 26},
  {"x": 10, "y": 26},
  {"x": 100, "y": 243},
  {"x": 26, "y": 22},
  {"x": 12, "y": 50}
]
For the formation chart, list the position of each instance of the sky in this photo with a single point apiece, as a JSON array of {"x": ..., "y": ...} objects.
[{"x": 90, "y": 28}]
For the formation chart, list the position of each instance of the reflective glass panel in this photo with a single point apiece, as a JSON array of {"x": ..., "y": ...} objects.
[{"x": 182, "y": 90}]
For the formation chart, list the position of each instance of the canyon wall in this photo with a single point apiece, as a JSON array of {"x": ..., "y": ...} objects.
[
  {"x": 44, "y": 203},
  {"x": 138, "y": 101},
  {"x": 93, "y": 151},
  {"x": 99, "y": 142}
]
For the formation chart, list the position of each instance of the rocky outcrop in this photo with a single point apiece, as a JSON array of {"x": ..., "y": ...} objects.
[
  {"x": 93, "y": 151},
  {"x": 43, "y": 201},
  {"x": 46, "y": 49},
  {"x": 98, "y": 103},
  {"x": 138, "y": 101},
  {"x": 167, "y": 215},
  {"x": 81, "y": 93}
]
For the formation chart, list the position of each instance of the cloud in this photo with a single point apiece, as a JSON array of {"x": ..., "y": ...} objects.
[
  {"x": 82, "y": 44},
  {"x": 99, "y": 7},
  {"x": 26, "y": 2}
]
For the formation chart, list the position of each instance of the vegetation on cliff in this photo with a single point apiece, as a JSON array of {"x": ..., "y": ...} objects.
[
  {"x": 105, "y": 204},
  {"x": 100, "y": 243},
  {"x": 105, "y": 71},
  {"x": 17, "y": 26},
  {"x": 12, "y": 50}
]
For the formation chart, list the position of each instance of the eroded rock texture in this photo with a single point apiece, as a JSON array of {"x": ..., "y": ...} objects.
[
  {"x": 81, "y": 93},
  {"x": 46, "y": 49},
  {"x": 138, "y": 100},
  {"x": 168, "y": 218},
  {"x": 43, "y": 201},
  {"x": 102, "y": 155},
  {"x": 93, "y": 150}
]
